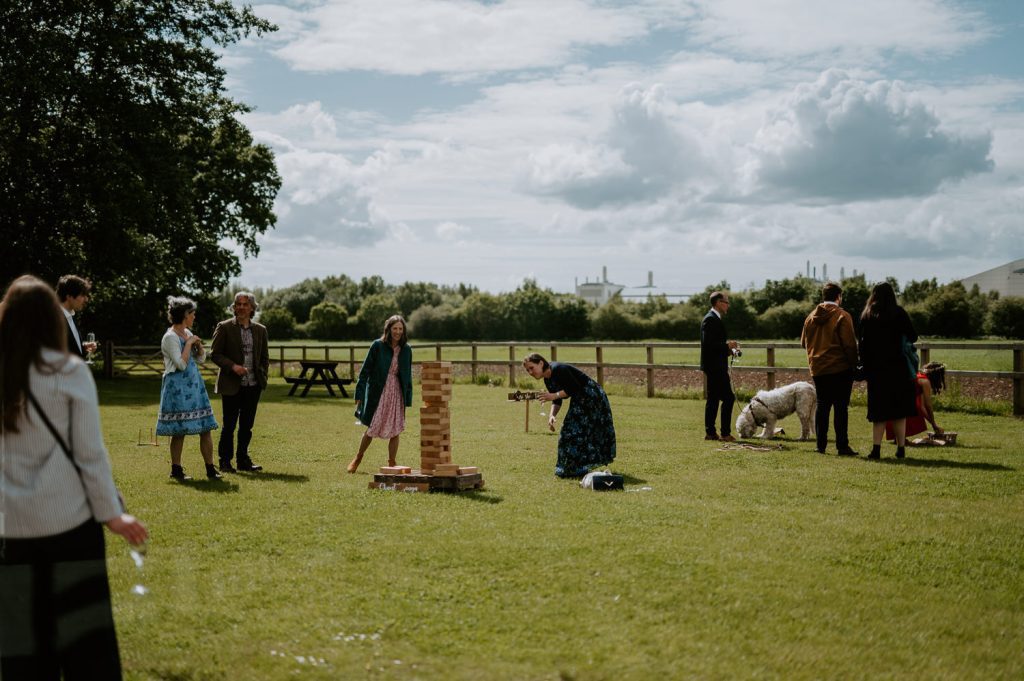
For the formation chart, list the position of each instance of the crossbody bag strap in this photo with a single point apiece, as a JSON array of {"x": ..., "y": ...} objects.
[{"x": 53, "y": 431}]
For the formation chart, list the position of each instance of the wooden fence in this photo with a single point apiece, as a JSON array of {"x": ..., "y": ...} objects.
[{"x": 127, "y": 359}]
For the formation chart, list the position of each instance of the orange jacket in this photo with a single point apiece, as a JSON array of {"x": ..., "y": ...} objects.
[{"x": 829, "y": 340}]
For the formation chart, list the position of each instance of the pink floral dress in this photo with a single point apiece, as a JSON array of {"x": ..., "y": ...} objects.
[{"x": 389, "y": 419}]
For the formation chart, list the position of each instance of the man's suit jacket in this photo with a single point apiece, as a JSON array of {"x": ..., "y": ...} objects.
[
  {"x": 226, "y": 351},
  {"x": 714, "y": 350},
  {"x": 73, "y": 346}
]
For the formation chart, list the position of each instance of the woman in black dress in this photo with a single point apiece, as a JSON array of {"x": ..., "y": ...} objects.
[
  {"x": 587, "y": 440},
  {"x": 885, "y": 330}
]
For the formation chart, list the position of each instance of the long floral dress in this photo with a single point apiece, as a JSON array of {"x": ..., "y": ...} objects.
[
  {"x": 184, "y": 403},
  {"x": 389, "y": 419},
  {"x": 587, "y": 439}
]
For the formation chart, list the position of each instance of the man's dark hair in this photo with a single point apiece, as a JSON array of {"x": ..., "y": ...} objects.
[
  {"x": 831, "y": 291},
  {"x": 717, "y": 296},
  {"x": 72, "y": 286}
]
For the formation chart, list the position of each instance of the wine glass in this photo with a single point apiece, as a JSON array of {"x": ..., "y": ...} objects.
[{"x": 90, "y": 338}]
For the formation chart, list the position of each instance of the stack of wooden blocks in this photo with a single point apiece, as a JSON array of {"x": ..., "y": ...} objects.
[{"x": 435, "y": 417}]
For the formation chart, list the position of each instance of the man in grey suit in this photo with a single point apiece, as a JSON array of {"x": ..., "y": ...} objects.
[{"x": 239, "y": 348}]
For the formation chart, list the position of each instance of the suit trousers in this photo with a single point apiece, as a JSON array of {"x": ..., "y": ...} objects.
[
  {"x": 833, "y": 391},
  {"x": 240, "y": 410},
  {"x": 55, "y": 614},
  {"x": 719, "y": 392}
]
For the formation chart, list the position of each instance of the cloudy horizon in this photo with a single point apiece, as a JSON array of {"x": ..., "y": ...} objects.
[{"x": 488, "y": 142}]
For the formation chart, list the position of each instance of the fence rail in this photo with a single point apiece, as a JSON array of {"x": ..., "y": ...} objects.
[{"x": 131, "y": 358}]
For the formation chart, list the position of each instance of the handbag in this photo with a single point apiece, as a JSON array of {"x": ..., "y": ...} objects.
[
  {"x": 910, "y": 356},
  {"x": 67, "y": 450}
]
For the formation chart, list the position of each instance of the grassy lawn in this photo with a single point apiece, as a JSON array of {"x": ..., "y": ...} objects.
[{"x": 738, "y": 564}]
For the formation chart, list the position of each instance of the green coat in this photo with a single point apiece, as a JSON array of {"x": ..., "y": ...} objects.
[{"x": 374, "y": 374}]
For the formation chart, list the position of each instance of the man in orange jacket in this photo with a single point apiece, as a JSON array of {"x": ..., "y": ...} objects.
[{"x": 831, "y": 345}]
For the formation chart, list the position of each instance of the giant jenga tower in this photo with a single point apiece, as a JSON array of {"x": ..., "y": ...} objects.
[{"x": 435, "y": 418}]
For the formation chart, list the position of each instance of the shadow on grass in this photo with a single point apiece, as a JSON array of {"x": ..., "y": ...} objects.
[
  {"x": 945, "y": 463},
  {"x": 264, "y": 476},
  {"x": 218, "y": 486},
  {"x": 481, "y": 496},
  {"x": 630, "y": 480}
]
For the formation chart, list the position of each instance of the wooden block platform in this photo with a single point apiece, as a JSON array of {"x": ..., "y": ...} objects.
[{"x": 427, "y": 483}]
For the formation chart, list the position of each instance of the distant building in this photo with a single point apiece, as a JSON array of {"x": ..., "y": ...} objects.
[
  {"x": 1007, "y": 280},
  {"x": 599, "y": 292}
]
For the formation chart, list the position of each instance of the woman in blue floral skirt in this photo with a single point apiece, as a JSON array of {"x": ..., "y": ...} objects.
[
  {"x": 184, "y": 403},
  {"x": 587, "y": 440}
]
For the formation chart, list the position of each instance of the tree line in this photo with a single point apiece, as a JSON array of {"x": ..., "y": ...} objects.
[{"x": 340, "y": 308}]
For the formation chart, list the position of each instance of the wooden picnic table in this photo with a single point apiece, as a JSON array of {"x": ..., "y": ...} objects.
[{"x": 318, "y": 372}]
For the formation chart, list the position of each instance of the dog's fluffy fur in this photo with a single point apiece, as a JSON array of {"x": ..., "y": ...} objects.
[{"x": 768, "y": 406}]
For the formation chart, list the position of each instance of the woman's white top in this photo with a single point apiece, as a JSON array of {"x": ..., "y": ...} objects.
[
  {"x": 170, "y": 346},
  {"x": 41, "y": 493}
]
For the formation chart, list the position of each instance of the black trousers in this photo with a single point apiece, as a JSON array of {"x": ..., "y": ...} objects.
[
  {"x": 238, "y": 410},
  {"x": 719, "y": 392},
  {"x": 55, "y": 615},
  {"x": 833, "y": 391}
]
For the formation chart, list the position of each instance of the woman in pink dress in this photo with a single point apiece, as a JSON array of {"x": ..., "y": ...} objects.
[{"x": 384, "y": 389}]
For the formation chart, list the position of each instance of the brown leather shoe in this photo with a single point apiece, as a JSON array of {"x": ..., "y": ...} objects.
[
  {"x": 710, "y": 436},
  {"x": 727, "y": 438}
]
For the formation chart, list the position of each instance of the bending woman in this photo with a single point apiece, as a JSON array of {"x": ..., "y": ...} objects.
[
  {"x": 57, "y": 490},
  {"x": 931, "y": 380},
  {"x": 587, "y": 439},
  {"x": 384, "y": 389}
]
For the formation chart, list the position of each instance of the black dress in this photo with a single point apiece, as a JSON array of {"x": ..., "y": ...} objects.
[
  {"x": 587, "y": 439},
  {"x": 891, "y": 391}
]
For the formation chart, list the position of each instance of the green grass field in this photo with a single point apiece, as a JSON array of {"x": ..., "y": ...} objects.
[{"x": 738, "y": 564}]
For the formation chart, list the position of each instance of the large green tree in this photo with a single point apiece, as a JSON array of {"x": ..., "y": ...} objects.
[{"x": 121, "y": 158}]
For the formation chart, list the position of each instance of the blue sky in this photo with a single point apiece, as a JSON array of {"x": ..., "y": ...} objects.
[{"x": 459, "y": 141}]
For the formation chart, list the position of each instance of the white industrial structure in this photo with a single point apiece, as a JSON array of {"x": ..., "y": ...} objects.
[
  {"x": 598, "y": 292},
  {"x": 1007, "y": 280}
]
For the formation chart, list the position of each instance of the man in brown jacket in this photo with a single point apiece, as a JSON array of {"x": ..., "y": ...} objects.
[
  {"x": 831, "y": 345},
  {"x": 239, "y": 348}
]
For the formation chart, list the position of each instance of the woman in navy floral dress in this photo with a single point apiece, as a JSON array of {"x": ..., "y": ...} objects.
[
  {"x": 587, "y": 440},
  {"x": 184, "y": 403}
]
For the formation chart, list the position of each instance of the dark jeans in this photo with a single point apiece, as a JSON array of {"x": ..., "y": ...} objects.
[
  {"x": 240, "y": 410},
  {"x": 55, "y": 614},
  {"x": 833, "y": 391},
  {"x": 719, "y": 391}
]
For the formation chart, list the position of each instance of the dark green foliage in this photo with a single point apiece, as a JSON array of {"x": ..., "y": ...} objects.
[
  {"x": 374, "y": 311},
  {"x": 785, "y": 321},
  {"x": 412, "y": 296},
  {"x": 298, "y": 299},
  {"x": 121, "y": 159},
  {"x": 328, "y": 321},
  {"x": 776, "y": 293},
  {"x": 1006, "y": 317},
  {"x": 279, "y": 322}
]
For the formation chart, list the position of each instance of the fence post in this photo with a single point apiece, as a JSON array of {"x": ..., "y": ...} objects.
[
  {"x": 352, "y": 362},
  {"x": 554, "y": 352},
  {"x": 108, "y": 359},
  {"x": 771, "y": 363},
  {"x": 438, "y": 346},
  {"x": 600, "y": 365},
  {"x": 327, "y": 353},
  {"x": 650, "y": 371},
  {"x": 926, "y": 354},
  {"x": 511, "y": 365},
  {"x": 472, "y": 366},
  {"x": 303, "y": 352},
  {"x": 1018, "y": 382},
  {"x": 280, "y": 358}
]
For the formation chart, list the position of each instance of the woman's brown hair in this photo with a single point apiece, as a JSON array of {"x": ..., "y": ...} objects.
[
  {"x": 536, "y": 358},
  {"x": 30, "y": 320},
  {"x": 391, "y": 321}
]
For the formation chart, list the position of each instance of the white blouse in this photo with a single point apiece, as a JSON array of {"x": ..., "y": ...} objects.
[
  {"x": 170, "y": 347},
  {"x": 41, "y": 493}
]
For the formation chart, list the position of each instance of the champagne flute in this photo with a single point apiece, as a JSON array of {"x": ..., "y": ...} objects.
[{"x": 90, "y": 338}]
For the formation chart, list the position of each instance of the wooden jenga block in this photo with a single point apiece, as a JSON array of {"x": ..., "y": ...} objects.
[
  {"x": 468, "y": 470},
  {"x": 395, "y": 470},
  {"x": 453, "y": 466},
  {"x": 432, "y": 398},
  {"x": 443, "y": 473}
]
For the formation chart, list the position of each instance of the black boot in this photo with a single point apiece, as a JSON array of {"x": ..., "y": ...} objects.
[
  {"x": 178, "y": 473},
  {"x": 876, "y": 452},
  {"x": 900, "y": 452},
  {"x": 211, "y": 472}
]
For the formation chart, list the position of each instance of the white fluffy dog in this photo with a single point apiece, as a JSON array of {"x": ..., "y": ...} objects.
[{"x": 768, "y": 406}]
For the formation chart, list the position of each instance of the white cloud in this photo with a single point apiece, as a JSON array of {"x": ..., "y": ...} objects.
[
  {"x": 452, "y": 231},
  {"x": 843, "y": 30},
  {"x": 415, "y": 37},
  {"x": 842, "y": 139}
]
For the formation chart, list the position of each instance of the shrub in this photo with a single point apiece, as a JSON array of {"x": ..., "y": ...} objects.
[
  {"x": 328, "y": 321},
  {"x": 1006, "y": 317},
  {"x": 786, "y": 320},
  {"x": 279, "y": 321}
]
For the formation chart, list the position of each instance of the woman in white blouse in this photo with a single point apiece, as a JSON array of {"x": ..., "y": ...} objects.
[
  {"x": 56, "y": 489},
  {"x": 184, "y": 402}
]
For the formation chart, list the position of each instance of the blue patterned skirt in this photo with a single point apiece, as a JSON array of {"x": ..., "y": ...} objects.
[
  {"x": 184, "y": 404},
  {"x": 587, "y": 439}
]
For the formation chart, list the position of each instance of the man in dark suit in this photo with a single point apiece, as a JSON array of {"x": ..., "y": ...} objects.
[
  {"x": 73, "y": 293},
  {"x": 715, "y": 350},
  {"x": 239, "y": 348}
]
